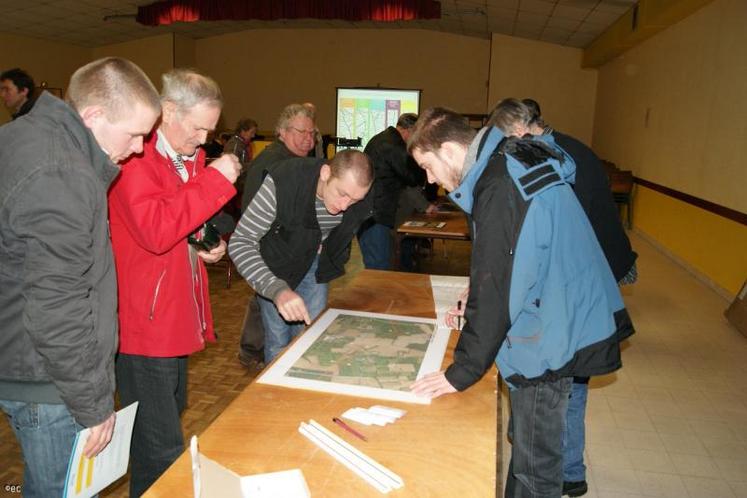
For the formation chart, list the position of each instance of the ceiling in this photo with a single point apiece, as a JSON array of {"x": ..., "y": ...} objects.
[{"x": 92, "y": 23}]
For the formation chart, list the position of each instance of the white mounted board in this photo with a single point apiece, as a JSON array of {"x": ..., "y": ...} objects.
[{"x": 363, "y": 354}]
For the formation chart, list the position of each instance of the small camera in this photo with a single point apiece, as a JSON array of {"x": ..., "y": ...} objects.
[{"x": 209, "y": 240}]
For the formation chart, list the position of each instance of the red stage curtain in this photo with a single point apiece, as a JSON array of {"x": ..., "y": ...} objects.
[{"x": 170, "y": 11}]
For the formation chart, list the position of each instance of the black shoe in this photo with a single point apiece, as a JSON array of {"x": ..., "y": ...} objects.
[
  {"x": 251, "y": 362},
  {"x": 575, "y": 488}
]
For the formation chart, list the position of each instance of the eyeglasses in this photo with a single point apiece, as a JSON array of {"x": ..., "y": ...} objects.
[{"x": 302, "y": 132}]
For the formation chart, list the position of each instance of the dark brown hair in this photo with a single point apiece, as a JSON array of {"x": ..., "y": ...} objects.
[{"x": 438, "y": 125}]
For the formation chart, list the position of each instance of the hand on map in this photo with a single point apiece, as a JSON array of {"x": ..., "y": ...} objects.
[
  {"x": 453, "y": 313},
  {"x": 432, "y": 385},
  {"x": 291, "y": 307}
]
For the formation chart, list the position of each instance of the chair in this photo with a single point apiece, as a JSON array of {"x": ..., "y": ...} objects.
[
  {"x": 226, "y": 260},
  {"x": 621, "y": 184},
  {"x": 609, "y": 166}
]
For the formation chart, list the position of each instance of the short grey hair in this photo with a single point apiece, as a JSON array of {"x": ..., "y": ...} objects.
[
  {"x": 289, "y": 112},
  {"x": 509, "y": 113},
  {"x": 188, "y": 88}
]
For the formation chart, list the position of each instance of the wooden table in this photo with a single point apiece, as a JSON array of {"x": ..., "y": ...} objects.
[
  {"x": 448, "y": 448},
  {"x": 455, "y": 228}
]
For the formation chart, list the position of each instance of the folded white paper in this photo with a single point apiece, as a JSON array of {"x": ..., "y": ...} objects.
[
  {"x": 348, "y": 455},
  {"x": 375, "y": 415},
  {"x": 212, "y": 480}
]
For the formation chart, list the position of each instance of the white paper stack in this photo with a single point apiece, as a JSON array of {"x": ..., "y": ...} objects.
[
  {"x": 375, "y": 415},
  {"x": 364, "y": 466}
]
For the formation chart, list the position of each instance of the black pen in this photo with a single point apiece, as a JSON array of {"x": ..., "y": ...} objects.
[{"x": 459, "y": 317}]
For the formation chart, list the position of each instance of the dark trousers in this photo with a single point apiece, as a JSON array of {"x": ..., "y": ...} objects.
[
  {"x": 375, "y": 241},
  {"x": 160, "y": 386},
  {"x": 252, "y": 333},
  {"x": 536, "y": 431},
  {"x": 407, "y": 247}
]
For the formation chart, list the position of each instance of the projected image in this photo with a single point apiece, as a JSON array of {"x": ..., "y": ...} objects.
[{"x": 365, "y": 112}]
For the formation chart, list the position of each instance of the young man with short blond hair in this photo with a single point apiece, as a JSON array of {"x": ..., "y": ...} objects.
[{"x": 58, "y": 292}]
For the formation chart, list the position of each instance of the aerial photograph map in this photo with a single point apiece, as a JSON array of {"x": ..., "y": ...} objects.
[
  {"x": 367, "y": 351},
  {"x": 363, "y": 354}
]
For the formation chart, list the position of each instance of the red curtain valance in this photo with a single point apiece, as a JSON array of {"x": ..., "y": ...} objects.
[{"x": 170, "y": 11}]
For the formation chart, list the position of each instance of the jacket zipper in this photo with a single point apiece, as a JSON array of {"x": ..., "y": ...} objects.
[
  {"x": 511, "y": 253},
  {"x": 201, "y": 325},
  {"x": 155, "y": 295}
]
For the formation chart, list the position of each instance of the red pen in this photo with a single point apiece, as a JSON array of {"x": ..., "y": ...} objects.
[{"x": 349, "y": 429}]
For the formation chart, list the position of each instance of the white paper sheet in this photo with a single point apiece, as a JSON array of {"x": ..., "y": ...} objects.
[
  {"x": 213, "y": 480},
  {"x": 86, "y": 477}
]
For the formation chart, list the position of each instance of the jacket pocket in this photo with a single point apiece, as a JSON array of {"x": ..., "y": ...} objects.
[{"x": 155, "y": 294}]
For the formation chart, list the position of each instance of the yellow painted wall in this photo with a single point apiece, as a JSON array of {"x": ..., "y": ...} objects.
[
  {"x": 184, "y": 51},
  {"x": 154, "y": 55},
  {"x": 550, "y": 74},
  {"x": 711, "y": 244},
  {"x": 674, "y": 110},
  {"x": 691, "y": 80},
  {"x": 260, "y": 71},
  {"x": 52, "y": 62}
]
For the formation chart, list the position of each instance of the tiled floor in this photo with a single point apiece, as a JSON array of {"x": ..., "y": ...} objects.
[{"x": 673, "y": 421}]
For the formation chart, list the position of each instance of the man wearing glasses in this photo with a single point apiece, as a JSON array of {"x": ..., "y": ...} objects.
[{"x": 294, "y": 138}]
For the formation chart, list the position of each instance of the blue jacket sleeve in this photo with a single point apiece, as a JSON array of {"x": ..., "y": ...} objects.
[{"x": 498, "y": 213}]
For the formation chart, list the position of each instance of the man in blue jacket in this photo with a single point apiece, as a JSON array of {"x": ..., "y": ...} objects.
[{"x": 543, "y": 304}]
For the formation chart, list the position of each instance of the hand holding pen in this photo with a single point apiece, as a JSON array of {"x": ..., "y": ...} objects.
[{"x": 455, "y": 316}]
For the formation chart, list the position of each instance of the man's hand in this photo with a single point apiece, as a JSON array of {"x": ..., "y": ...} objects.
[
  {"x": 291, "y": 307},
  {"x": 431, "y": 209},
  {"x": 99, "y": 437},
  {"x": 214, "y": 254},
  {"x": 453, "y": 313},
  {"x": 228, "y": 165},
  {"x": 432, "y": 385}
]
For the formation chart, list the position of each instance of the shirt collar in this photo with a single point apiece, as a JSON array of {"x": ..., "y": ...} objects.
[{"x": 166, "y": 150}]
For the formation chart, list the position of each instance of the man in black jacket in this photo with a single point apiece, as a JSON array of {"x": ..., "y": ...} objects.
[
  {"x": 593, "y": 193},
  {"x": 295, "y": 133},
  {"x": 58, "y": 297},
  {"x": 394, "y": 169},
  {"x": 17, "y": 90},
  {"x": 294, "y": 237}
]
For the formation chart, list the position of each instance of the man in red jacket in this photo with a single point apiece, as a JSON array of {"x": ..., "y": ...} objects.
[{"x": 158, "y": 208}]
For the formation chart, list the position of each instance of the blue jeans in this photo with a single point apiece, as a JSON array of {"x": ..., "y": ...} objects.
[
  {"x": 278, "y": 332},
  {"x": 574, "y": 438},
  {"x": 46, "y": 433},
  {"x": 376, "y": 246},
  {"x": 160, "y": 385},
  {"x": 536, "y": 431}
]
